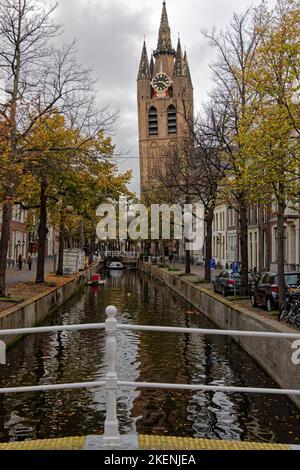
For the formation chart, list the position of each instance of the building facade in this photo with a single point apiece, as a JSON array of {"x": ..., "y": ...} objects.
[
  {"x": 23, "y": 239},
  {"x": 165, "y": 102},
  {"x": 18, "y": 240},
  {"x": 262, "y": 237}
]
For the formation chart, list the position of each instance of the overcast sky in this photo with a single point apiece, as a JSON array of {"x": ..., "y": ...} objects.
[{"x": 110, "y": 35}]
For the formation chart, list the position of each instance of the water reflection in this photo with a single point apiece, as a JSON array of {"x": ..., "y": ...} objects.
[
  {"x": 80, "y": 356},
  {"x": 115, "y": 273}
]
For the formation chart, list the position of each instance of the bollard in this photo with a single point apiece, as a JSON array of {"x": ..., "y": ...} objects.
[{"x": 111, "y": 426}]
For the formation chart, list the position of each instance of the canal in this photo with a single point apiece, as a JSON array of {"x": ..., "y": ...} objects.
[{"x": 80, "y": 356}]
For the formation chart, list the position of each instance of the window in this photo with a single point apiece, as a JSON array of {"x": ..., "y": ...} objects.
[
  {"x": 152, "y": 121},
  {"x": 265, "y": 214},
  {"x": 265, "y": 248},
  {"x": 172, "y": 120},
  {"x": 230, "y": 218}
]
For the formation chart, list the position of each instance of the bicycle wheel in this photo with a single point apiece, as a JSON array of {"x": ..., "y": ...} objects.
[
  {"x": 296, "y": 321},
  {"x": 296, "y": 316},
  {"x": 284, "y": 311}
]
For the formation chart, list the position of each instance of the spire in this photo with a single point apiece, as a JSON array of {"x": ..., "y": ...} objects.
[
  {"x": 186, "y": 68},
  {"x": 178, "y": 67},
  {"x": 151, "y": 66},
  {"x": 144, "y": 71},
  {"x": 164, "y": 45}
]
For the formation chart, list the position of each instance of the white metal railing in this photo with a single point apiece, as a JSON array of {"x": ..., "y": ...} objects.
[{"x": 111, "y": 383}]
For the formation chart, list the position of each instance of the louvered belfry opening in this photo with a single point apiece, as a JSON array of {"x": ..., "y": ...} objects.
[
  {"x": 152, "y": 121},
  {"x": 172, "y": 120}
]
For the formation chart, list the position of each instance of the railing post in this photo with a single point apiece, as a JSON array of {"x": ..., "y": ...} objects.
[{"x": 111, "y": 425}]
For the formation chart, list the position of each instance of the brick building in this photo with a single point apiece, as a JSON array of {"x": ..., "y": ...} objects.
[
  {"x": 18, "y": 240},
  {"x": 262, "y": 237}
]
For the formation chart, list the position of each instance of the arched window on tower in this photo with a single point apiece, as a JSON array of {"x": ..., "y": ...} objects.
[
  {"x": 152, "y": 121},
  {"x": 172, "y": 120}
]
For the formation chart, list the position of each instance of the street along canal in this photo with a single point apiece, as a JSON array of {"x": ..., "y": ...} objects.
[{"x": 158, "y": 357}]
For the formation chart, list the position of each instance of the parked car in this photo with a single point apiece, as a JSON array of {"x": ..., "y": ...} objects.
[
  {"x": 229, "y": 283},
  {"x": 265, "y": 291}
]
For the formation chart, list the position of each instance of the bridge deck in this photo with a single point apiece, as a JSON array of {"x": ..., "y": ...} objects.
[{"x": 142, "y": 443}]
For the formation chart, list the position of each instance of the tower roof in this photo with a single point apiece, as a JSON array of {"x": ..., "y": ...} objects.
[
  {"x": 178, "y": 67},
  {"x": 186, "y": 68},
  {"x": 164, "y": 45},
  {"x": 151, "y": 66},
  {"x": 144, "y": 71}
]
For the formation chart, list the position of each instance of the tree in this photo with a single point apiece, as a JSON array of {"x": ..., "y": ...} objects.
[
  {"x": 230, "y": 113},
  {"x": 85, "y": 190},
  {"x": 190, "y": 173},
  {"x": 272, "y": 144},
  {"x": 63, "y": 166},
  {"x": 38, "y": 79}
]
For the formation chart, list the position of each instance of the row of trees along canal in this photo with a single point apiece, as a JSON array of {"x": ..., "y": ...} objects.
[
  {"x": 55, "y": 149},
  {"x": 243, "y": 148}
]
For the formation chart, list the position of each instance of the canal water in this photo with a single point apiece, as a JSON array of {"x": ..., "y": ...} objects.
[{"x": 142, "y": 356}]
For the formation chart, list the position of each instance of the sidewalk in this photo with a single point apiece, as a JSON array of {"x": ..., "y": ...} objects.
[
  {"x": 196, "y": 270},
  {"x": 15, "y": 277},
  {"x": 20, "y": 284},
  {"x": 198, "y": 274}
]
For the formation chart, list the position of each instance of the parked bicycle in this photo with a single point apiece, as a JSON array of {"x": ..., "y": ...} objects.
[{"x": 290, "y": 310}]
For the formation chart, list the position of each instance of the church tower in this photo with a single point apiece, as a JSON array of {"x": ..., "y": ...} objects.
[{"x": 165, "y": 102}]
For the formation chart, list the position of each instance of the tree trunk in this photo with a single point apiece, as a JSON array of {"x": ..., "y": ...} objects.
[
  {"x": 208, "y": 242},
  {"x": 187, "y": 260},
  {"x": 93, "y": 245},
  {"x": 7, "y": 210},
  {"x": 156, "y": 250},
  {"x": 187, "y": 252},
  {"x": 82, "y": 235},
  {"x": 42, "y": 234},
  {"x": 243, "y": 225},
  {"x": 61, "y": 242},
  {"x": 280, "y": 251}
]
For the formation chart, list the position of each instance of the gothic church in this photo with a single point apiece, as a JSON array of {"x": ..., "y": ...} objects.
[{"x": 165, "y": 102}]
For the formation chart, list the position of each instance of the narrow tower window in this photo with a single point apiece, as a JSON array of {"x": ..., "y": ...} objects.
[
  {"x": 152, "y": 121},
  {"x": 172, "y": 120}
]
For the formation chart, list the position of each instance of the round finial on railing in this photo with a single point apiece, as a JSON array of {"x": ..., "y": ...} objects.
[{"x": 111, "y": 311}]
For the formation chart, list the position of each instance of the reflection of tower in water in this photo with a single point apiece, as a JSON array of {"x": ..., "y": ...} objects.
[{"x": 163, "y": 358}]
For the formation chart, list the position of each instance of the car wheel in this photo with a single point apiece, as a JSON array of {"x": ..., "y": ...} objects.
[
  {"x": 224, "y": 292},
  {"x": 253, "y": 301},
  {"x": 269, "y": 305}
]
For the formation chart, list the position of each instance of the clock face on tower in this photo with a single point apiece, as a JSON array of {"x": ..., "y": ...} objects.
[{"x": 161, "y": 82}]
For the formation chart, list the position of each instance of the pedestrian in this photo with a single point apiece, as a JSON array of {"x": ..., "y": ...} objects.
[
  {"x": 20, "y": 262},
  {"x": 29, "y": 262}
]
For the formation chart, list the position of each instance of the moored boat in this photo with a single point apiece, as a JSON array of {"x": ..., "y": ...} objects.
[
  {"x": 96, "y": 281},
  {"x": 116, "y": 265}
]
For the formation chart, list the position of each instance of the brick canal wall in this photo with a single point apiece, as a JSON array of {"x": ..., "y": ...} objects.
[
  {"x": 35, "y": 310},
  {"x": 274, "y": 355}
]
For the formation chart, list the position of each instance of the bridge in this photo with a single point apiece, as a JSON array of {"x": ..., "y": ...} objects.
[{"x": 127, "y": 258}]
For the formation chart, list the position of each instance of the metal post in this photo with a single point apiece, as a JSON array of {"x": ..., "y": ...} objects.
[{"x": 111, "y": 426}]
